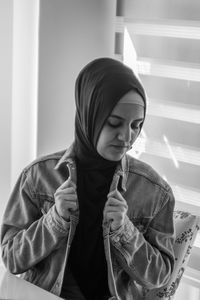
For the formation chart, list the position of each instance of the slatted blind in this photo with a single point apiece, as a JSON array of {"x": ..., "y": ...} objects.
[{"x": 160, "y": 40}]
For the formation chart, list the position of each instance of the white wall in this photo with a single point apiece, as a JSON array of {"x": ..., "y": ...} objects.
[
  {"x": 5, "y": 97},
  {"x": 24, "y": 84},
  {"x": 71, "y": 34}
]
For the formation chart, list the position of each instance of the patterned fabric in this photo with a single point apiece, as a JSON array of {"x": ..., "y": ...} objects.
[{"x": 186, "y": 227}]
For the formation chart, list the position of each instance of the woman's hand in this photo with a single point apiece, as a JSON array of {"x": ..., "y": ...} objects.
[
  {"x": 115, "y": 209},
  {"x": 66, "y": 199}
]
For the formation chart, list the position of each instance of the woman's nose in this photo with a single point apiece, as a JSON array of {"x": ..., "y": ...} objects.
[{"x": 125, "y": 135}]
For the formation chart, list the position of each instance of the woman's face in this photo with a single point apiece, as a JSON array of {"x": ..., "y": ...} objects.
[{"x": 121, "y": 128}]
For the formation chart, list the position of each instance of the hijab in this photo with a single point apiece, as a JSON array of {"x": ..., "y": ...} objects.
[{"x": 99, "y": 87}]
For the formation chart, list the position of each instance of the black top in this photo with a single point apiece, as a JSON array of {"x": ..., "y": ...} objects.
[{"x": 87, "y": 261}]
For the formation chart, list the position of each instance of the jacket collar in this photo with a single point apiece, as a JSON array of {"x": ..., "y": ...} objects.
[
  {"x": 121, "y": 170},
  {"x": 68, "y": 157}
]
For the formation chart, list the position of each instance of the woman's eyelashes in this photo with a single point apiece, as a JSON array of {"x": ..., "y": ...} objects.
[
  {"x": 116, "y": 123},
  {"x": 136, "y": 125}
]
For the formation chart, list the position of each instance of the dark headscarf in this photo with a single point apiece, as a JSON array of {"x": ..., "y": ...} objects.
[{"x": 99, "y": 87}]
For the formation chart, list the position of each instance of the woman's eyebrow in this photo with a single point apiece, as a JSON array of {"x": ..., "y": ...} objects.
[{"x": 120, "y": 118}]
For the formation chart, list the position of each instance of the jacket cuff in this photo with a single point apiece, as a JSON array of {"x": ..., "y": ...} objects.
[
  {"x": 124, "y": 233},
  {"x": 56, "y": 222}
]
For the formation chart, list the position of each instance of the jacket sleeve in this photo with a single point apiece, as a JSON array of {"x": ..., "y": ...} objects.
[
  {"x": 147, "y": 257},
  {"x": 27, "y": 235}
]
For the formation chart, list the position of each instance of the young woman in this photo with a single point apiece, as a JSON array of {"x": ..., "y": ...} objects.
[{"x": 92, "y": 222}]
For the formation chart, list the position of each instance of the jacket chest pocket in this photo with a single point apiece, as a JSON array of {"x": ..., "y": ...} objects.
[{"x": 142, "y": 223}]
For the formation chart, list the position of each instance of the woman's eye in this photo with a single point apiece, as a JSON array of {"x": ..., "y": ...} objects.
[
  {"x": 113, "y": 123},
  {"x": 135, "y": 125}
]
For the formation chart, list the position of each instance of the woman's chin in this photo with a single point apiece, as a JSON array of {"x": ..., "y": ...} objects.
[{"x": 114, "y": 156}]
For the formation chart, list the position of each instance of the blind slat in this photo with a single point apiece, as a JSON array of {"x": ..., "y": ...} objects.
[{"x": 174, "y": 29}]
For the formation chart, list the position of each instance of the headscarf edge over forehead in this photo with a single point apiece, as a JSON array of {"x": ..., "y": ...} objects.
[{"x": 99, "y": 87}]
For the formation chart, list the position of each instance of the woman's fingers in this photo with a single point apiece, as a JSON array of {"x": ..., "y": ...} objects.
[
  {"x": 113, "y": 202},
  {"x": 115, "y": 216},
  {"x": 68, "y": 204},
  {"x": 66, "y": 199},
  {"x": 117, "y": 195},
  {"x": 65, "y": 192},
  {"x": 115, "y": 209}
]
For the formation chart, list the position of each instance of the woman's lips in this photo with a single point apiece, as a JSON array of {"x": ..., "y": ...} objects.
[{"x": 120, "y": 147}]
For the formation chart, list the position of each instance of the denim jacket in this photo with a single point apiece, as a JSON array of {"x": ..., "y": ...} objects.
[{"x": 36, "y": 241}]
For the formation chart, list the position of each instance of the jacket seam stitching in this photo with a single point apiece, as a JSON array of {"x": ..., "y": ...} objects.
[
  {"x": 149, "y": 179},
  {"x": 32, "y": 193},
  {"x": 163, "y": 202},
  {"x": 39, "y": 160}
]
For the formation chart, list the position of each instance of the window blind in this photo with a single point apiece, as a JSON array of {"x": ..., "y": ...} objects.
[{"x": 160, "y": 40}]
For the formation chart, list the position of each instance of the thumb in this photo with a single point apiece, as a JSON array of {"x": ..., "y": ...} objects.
[
  {"x": 72, "y": 172},
  {"x": 112, "y": 193},
  {"x": 68, "y": 183}
]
